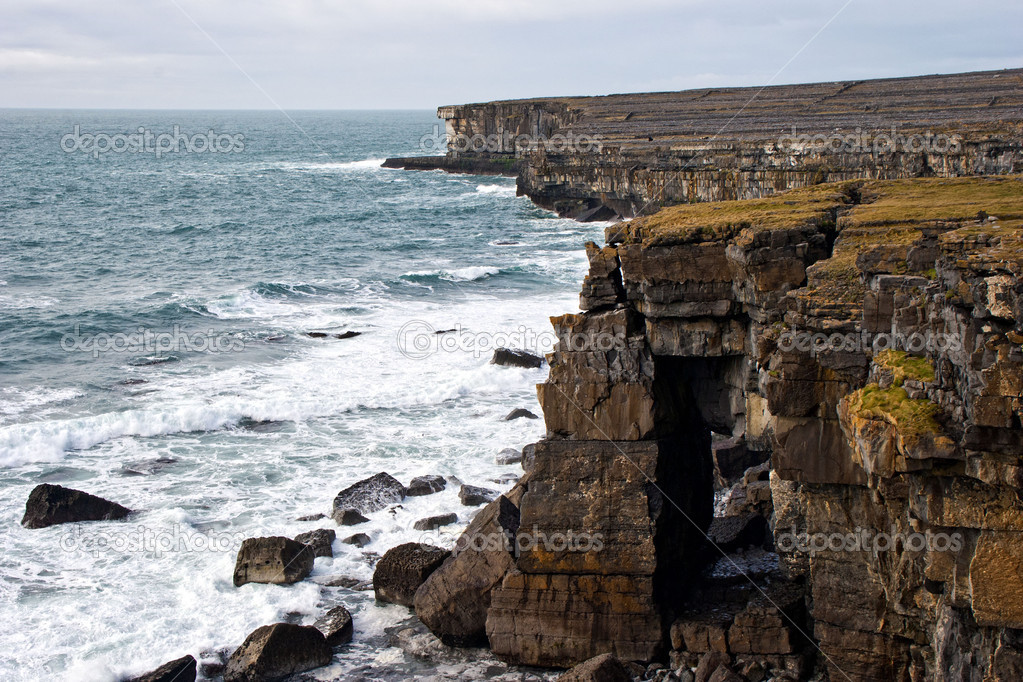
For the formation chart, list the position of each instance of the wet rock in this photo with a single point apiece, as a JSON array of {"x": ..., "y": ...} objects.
[
  {"x": 320, "y": 540},
  {"x": 273, "y": 652},
  {"x": 402, "y": 569},
  {"x": 509, "y": 456},
  {"x": 49, "y": 505},
  {"x": 336, "y": 626},
  {"x": 454, "y": 600},
  {"x": 350, "y": 517},
  {"x": 516, "y": 358},
  {"x": 311, "y": 517},
  {"x": 359, "y": 540},
  {"x": 425, "y": 485},
  {"x": 180, "y": 670},
  {"x": 434, "y": 522},
  {"x": 603, "y": 668},
  {"x": 276, "y": 560},
  {"x": 473, "y": 496},
  {"x": 369, "y": 495},
  {"x": 519, "y": 413}
]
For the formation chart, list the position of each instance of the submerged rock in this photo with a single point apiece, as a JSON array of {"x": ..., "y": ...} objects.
[
  {"x": 434, "y": 522},
  {"x": 473, "y": 496},
  {"x": 336, "y": 626},
  {"x": 350, "y": 517},
  {"x": 369, "y": 495},
  {"x": 320, "y": 540},
  {"x": 516, "y": 358},
  {"x": 49, "y": 505},
  {"x": 519, "y": 413},
  {"x": 180, "y": 670},
  {"x": 403, "y": 569},
  {"x": 276, "y": 560},
  {"x": 425, "y": 485},
  {"x": 509, "y": 456},
  {"x": 273, "y": 652},
  {"x": 359, "y": 540}
]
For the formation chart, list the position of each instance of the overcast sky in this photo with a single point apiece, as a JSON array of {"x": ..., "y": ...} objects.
[{"x": 363, "y": 54}]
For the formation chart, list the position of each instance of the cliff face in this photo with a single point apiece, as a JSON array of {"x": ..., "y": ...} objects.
[
  {"x": 623, "y": 155},
  {"x": 866, "y": 338}
]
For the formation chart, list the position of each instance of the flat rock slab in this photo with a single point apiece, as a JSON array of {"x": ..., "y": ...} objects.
[
  {"x": 434, "y": 522},
  {"x": 276, "y": 560},
  {"x": 516, "y": 358},
  {"x": 49, "y": 505},
  {"x": 369, "y": 495},
  {"x": 273, "y": 652}
]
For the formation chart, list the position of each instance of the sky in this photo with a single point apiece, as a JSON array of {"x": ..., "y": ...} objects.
[{"x": 418, "y": 54}]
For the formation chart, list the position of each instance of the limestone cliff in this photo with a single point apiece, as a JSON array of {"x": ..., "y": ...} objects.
[
  {"x": 625, "y": 155},
  {"x": 865, "y": 336}
]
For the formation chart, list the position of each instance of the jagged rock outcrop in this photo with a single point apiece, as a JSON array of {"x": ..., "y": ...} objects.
[
  {"x": 867, "y": 335},
  {"x": 49, "y": 505}
]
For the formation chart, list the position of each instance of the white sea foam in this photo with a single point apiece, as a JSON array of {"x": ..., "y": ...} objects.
[{"x": 503, "y": 190}]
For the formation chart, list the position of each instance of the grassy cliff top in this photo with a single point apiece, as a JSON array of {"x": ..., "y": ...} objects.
[{"x": 886, "y": 205}]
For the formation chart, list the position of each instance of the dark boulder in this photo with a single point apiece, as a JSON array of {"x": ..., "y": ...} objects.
[
  {"x": 320, "y": 540},
  {"x": 519, "y": 413},
  {"x": 402, "y": 569},
  {"x": 49, "y": 505},
  {"x": 516, "y": 358},
  {"x": 180, "y": 670},
  {"x": 369, "y": 495},
  {"x": 509, "y": 456},
  {"x": 336, "y": 626},
  {"x": 434, "y": 522},
  {"x": 273, "y": 652},
  {"x": 350, "y": 517},
  {"x": 359, "y": 540},
  {"x": 473, "y": 496},
  {"x": 425, "y": 485},
  {"x": 276, "y": 560},
  {"x": 528, "y": 457}
]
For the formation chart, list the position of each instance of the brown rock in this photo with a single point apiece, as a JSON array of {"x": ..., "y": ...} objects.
[
  {"x": 49, "y": 505},
  {"x": 603, "y": 668},
  {"x": 276, "y": 651},
  {"x": 180, "y": 670},
  {"x": 402, "y": 569},
  {"x": 276, "y": 560}
]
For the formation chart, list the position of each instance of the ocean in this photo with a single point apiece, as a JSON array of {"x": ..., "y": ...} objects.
[{"x": 155, "y": 349}]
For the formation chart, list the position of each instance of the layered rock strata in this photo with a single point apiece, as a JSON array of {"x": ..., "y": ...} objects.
[
  {"x": 865, "y": 336},
  {"x": 625, "y": 155}
]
